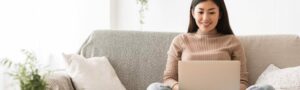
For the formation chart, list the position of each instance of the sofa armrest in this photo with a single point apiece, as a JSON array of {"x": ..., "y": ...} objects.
[{"x": 59, "y": 81}]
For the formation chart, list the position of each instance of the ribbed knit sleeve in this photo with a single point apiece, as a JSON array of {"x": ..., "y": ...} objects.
[
  {"x": 238, "y": 53},
  {"x": 170, "y": 76}
]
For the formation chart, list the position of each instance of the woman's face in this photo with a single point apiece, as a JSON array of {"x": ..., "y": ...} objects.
[{"x": 206, "y": 15}]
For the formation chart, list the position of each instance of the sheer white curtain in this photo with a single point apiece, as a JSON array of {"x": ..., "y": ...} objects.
[{"x": 48, "y": 27}]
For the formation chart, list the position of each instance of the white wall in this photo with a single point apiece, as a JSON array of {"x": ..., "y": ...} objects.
[
  {"x": 264, "y": 16},
  {"x": 162, "y": 15},
  {"x": 247, "y": 17},
  {"x": 48, "y": 27}
]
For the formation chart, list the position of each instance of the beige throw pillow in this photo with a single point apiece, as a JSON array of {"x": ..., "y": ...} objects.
[{"x": 94, "y": 73}]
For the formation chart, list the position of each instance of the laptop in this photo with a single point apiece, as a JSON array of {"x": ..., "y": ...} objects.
[{"x": 209, "y": 75}]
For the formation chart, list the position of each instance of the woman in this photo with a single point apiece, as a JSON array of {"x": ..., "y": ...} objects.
[{"x": 209, "y": 37}]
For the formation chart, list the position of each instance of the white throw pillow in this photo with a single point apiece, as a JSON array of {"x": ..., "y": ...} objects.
[
  {"x": 262, "y": 77},
  {"x": 94, "y": 73},
  {"x": 281, "y": 79}
]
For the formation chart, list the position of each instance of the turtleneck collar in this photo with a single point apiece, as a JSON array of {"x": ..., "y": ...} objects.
[{"x": 211, "y": 33}]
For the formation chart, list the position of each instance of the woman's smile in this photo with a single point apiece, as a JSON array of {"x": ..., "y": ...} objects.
[{"x": 205, "y": 24}]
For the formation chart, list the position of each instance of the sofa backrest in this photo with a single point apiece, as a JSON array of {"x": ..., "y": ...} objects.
[
  {"x": 262, "y": 50},
  {"x": 139, "y": 57}
]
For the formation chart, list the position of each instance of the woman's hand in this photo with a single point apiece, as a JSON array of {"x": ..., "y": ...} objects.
[
  {"x": 176, "y": 87},
  {"x": 243, "y": 87}
]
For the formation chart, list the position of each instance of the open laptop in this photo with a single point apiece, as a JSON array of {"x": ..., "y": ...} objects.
[{"x": 209, "y": 75}]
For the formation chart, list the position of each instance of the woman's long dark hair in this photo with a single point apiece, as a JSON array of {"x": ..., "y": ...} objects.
[{"x": 222, "y": 27}]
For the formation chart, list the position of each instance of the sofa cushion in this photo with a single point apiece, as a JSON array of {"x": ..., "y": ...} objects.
[
  {"x": 263, "y": 50},
  {"x": 265, "y": 74},
  {"x": 92, "y": 74},
  {"x": 59, "y": 80},
  {"x": 139, "y": 58},
  {"x": 287, "y": 78}
]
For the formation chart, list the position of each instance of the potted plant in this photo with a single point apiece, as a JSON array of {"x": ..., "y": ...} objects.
[{"x": 27, "y": 73}]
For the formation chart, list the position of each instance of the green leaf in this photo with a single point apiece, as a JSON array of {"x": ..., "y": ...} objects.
[{"x": 27, "y": 73}]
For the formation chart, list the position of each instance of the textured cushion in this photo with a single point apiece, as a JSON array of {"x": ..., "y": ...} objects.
[
  {"x": 263, "y": 76},
  {"x": 92, "y": 74},
  {"x": 281, "y": 79},
  {"x": 263, "y": 50},
  {"x": 59, "y": 81},
  {"x": 139, "y": 58}
]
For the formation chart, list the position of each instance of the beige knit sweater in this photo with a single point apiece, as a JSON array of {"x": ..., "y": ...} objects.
[{"x": 203, "y": 46}]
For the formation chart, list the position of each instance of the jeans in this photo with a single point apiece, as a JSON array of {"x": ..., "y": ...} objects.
[
  {"x": 158, "y": 86},
  {"x": 260, "y": 87}
]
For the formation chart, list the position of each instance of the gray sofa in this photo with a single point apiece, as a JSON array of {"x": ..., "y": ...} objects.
[{"x": 139, "y": 57}]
